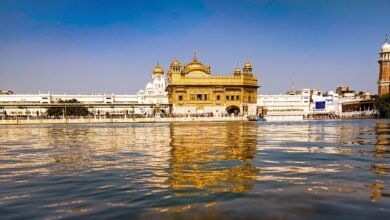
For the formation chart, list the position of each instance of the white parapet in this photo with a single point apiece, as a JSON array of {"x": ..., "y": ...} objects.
[{"x": 283, "y": 117}]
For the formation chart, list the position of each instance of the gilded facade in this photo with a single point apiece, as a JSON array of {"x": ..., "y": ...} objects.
[{"x": 192, "y": 89}]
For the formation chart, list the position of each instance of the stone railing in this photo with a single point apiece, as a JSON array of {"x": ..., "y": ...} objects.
[{"x": 214, "y": 80}]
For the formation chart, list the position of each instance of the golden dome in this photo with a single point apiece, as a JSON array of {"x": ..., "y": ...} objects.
[
  {"x": 158, "y": 69},
  {"x": 237, "y": 70},
  {"x": 175, "y": 62},
  {"x": 196, "y": 67},
  {"x": 247, "y": 64}
]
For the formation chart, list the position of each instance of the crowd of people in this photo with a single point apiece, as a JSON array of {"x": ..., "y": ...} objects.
[
  {"x": 344, "y": 116},
  {"x": 362, "y": 115},
  {"x": 176, "y": 115},
  {"x": 112, "y": 116},
  {"x": 194, "y": 115}
]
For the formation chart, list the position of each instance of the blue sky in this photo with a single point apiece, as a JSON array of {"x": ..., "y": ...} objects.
[{"x": 78, "y": 46}]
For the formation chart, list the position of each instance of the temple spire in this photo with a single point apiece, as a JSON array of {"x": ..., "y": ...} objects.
[{"x": 195, "y": 58}]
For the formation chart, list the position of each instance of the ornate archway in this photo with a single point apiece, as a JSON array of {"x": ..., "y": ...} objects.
[{"x": 233, "y": 110}]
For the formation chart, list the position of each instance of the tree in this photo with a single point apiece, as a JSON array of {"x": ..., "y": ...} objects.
[
  {"x": 382, "y": 104},
  {"x": 69, "y": 110}
]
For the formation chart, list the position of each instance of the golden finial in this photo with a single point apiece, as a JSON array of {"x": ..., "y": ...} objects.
[
  {"x": 195, "y": 58},
  {"x": 386, "y": 38}
]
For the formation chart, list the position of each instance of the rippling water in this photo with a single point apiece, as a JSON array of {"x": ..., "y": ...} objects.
[{"x": 295, "y": 170}]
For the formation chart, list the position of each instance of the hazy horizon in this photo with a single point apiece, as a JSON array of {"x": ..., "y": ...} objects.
[{"x": 112, "y": 46}]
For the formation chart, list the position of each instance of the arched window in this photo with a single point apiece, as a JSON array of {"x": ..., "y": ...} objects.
[
  {"x": 180, "y": 98},
  {"x": 218, "y": 97}
]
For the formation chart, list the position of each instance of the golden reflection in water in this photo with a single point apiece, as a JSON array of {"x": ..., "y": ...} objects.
[
  {"x": 382, "y": 138},
  {"x": 216, "y": 158},
  {"x": 193, "y": 160},
  {"x": 67, "y": 150}
]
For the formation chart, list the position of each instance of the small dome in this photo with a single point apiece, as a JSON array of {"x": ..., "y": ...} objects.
[
  {"x": 158, "y": 69},
  {"x": 149, "y": 86},
  {"x": 385, "y": 47},
  {"x": 247, "y": 64},
  {"x": 175, "y": 62},
  {"x": 237, "y": 70}
]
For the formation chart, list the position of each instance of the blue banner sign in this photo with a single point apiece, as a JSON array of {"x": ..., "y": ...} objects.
[{"x": 320, "y": 105}]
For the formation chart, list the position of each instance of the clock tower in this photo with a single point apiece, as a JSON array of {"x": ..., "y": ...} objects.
[{"x": 384, "y": 69}]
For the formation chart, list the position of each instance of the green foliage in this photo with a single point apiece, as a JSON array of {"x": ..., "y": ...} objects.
[
  {"x": 382, "y": 104},
  {"x": 69, "y": 110}
]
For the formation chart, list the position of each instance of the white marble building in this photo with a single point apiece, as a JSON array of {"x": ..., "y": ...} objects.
[
  {"x": 284, "y": 107},
  {"x": 99, "y": 104},
  {"x": 154, "y": 92}
]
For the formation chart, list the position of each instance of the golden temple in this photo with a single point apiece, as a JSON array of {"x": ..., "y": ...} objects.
[{"x": 192, "y": 89}]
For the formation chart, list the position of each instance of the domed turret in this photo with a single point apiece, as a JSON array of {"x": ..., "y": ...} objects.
[
  {"x": 175, "y": 66},
  {"x": 237, "y": 71},
  {"x": 158, "y": 69},
  {"x": 175, "y": 63},
  {"x": 248, "y": 64},
  {"x": 385, "y": 47},
  {"x": 247, "y": 67}
]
